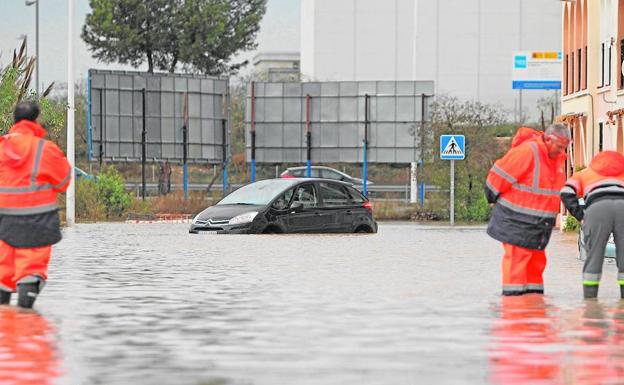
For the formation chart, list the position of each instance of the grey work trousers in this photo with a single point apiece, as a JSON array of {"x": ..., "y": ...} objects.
[{"x": 602, "y": 219}]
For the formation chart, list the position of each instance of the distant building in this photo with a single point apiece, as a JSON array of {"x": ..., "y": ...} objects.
[
  {"x": 464, "y": 46},
  {"x": 277, "y": 66},
  {"x": 593, "y": 83}
]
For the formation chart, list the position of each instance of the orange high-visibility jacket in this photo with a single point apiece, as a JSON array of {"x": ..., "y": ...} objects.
[
  {"x": 525, "y": 186},
  {"x": 603, "y": 179},
  {"x": 32, "y": 171}
]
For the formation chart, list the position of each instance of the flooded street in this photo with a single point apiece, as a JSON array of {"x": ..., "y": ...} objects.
[{"x": 152, "y": 304}]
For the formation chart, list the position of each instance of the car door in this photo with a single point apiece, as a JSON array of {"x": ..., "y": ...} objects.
[
  {"x": 303, "y": 214},
  {"x": 335, "y": 203},
  {"x": 278, "y": 211},
  {"x": 356, "y": 214}
]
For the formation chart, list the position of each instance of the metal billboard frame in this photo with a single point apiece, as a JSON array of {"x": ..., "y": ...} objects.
[
  {"x": 360, "y": 111},
  {"x": 173, "y": 103}
]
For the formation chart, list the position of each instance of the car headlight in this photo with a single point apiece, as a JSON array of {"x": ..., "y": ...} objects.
[
  {"x": 243, "y": 218},
  {"x": 196, "y": 218}
]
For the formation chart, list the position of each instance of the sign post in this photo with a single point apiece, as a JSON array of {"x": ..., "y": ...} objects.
[{"x": 452, "y": 147}]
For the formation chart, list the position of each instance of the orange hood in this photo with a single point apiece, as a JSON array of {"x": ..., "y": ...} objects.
[
  {"x": 525, "y": 134},
  {"x": 608, "y": 163},
  {"x": 15, "y": 147}
]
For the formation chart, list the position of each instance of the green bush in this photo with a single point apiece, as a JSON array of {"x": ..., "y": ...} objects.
[
  {"x": 88, "y": 206},
  {"x": 571, "y": 224},
  {"x": 477, "y": 211},
  {"x": 111, "y": 193}
]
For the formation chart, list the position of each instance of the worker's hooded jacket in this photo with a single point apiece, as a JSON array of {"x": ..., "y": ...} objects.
[
  {"x": 32, "y": 171},
  {"x": 603, "y": 179},
  {"x": 524, "y": 184}
]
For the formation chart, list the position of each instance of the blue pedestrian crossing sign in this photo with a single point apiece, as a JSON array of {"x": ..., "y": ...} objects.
[{"x": 452, "y": 147}]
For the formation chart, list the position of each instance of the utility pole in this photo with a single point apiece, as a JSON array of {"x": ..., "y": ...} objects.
[
  {"x": 36, "y": 4},
  {"x": 70, "y": 213}
]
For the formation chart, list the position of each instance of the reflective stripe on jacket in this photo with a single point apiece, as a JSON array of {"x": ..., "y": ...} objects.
[
  {"x": 32, "y": 171},
  {"x": 604, "y": 178},
  {"x": 525, "y": 185}
]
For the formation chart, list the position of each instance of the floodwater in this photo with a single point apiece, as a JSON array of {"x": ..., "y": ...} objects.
[{"x": 151, "y": 304}]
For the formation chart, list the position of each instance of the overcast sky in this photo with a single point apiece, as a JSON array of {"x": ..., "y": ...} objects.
[{"x": 279, "y": 32}]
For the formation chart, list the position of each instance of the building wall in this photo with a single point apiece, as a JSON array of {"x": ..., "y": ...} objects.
[
  {"x": 465, "y": 46},
  {"x": 597, "y": 106}
]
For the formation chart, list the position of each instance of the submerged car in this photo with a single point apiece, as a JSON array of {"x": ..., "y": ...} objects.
[
  {"x": 290, "y": 205},
  {"x": 609, "y": 250}
]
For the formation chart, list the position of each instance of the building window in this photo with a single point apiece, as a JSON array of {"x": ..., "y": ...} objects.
[
  {"x": 572, "y": 73},
  {"x": 585, "y": 68},
  {"x": 600, "y": 137},
  {"x": 579, "y": 68},
  {"x": 565, "y": 75},
  {"x": 621, "y": 61},
  {"x": 609, "y": 75},
  {"x": 602, "y": 72}
]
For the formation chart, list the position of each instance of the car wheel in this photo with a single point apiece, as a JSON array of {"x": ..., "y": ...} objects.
[
  {"x": 272, "y": 230},
  {"x": 363, "y": 230}
]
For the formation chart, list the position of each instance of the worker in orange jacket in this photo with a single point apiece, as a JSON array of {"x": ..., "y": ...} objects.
[
  {"x": 601, "y": 186},
  {"x": 32, "y": 172},
  {"x": 524, "y": 186}
]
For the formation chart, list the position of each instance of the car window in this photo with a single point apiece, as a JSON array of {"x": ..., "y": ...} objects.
[
  {"x": 334, "y": 195},
  {"x": 282, "y": 202},
  {"x": 259, "y": 193},
  {"x": 306, "y": 195},
  {"x": 331, "y": 174},
  {"x": 303, "y": 173},
  {"x": 356, "y": 197}
]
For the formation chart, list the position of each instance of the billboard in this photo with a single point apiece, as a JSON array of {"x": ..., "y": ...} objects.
[
  {"x": 330, "y": 120},
  {"x": 173, "y": 102},
  {"x": 536, "y": 70}
]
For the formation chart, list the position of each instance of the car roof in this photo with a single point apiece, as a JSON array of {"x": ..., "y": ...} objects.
[
  {"x": 304, "y": 167},
  {"x": 317, "y": 180}
]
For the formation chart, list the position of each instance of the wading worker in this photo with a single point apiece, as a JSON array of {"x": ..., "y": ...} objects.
[
  {"x": 601, "y": 186},
  {"x": 524, "y": 185},
  {"x": 32, "y": 171}
]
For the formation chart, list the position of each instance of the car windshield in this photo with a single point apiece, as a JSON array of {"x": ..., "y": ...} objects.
[{"x": 260, "y": 193}]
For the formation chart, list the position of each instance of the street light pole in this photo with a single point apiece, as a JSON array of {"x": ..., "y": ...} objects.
[
  {"x": 28, "y": 4},
  {"x": 70, "y": 213}
]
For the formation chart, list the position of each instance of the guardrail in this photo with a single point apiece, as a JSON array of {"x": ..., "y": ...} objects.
[{"x": 372, "y": 188}]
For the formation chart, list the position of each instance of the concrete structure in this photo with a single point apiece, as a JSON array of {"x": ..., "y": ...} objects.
[
  {"x": 277, "y": 66},
  {"x": 465, "y": 46},
  {"x": 593, "y": 86}
]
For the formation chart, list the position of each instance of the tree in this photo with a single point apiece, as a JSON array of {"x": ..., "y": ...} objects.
[
  {"x": 14, "y": 87},
  {"x": 198, "y": 35}
]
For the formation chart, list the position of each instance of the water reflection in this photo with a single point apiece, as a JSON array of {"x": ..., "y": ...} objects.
[
  {"x": 27, "y": 348},
  {"x": 524, "y": 334},
  {"x": 536, "y": 343}
]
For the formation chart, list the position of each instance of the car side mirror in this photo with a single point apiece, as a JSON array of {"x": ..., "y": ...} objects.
[{"x": 296, "y": 206}]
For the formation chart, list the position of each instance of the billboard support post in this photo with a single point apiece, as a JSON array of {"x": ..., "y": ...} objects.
[
  {"x": 308, "y": 138},
  {"x": 143, "y": 145},
  {"x": 185, "y": 148},
  {"x": 102, "y": 127},
  {"x": 253, "y": 132},
  {"x": 225, "y": 160},
  {"x": 422, "y": 150},
  {"x": 365, "y": 154}
]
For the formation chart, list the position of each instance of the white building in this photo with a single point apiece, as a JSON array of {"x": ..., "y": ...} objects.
[{"x": 465, "y": 46}]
